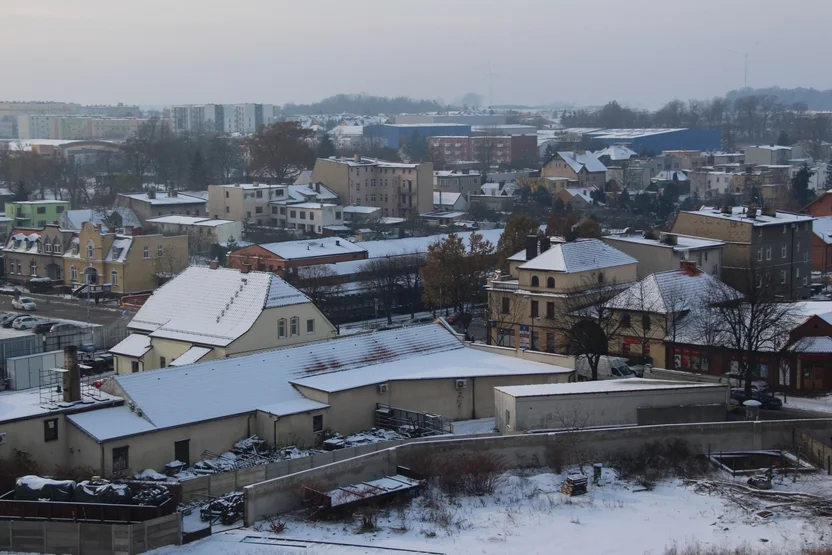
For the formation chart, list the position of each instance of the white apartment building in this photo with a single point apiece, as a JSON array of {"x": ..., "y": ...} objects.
[
  {"x": 244, "y": 119},
  {"x": 60, "y": 127},
  {"x": 310, "y": 217}
]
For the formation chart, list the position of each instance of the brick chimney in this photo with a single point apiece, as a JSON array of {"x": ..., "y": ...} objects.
[
  {"x": 689, "y": 268},
  {"x": 357, "y": 158},
  {"x": 245, "y": 269},
  {"x": 531, "y": 247},
  {"x": 151, "y": 193},
  {"x": 72, "y": 378},
  {"x": 214, "y": 264}
]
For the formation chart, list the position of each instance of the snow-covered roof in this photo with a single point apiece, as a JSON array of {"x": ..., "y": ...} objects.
[
  {"x": 457, "y": 363},
  {"x": 111, "y": 423},
  {"x": 579, "y": 256},
  {"x": 225, "y": 387},
  {"x": 668, "y": 175},
  {"x": 212, "y": 307},
  {"x": 613, "y": 134},
  {"x": 298, "y": 250},
  {"x": 190, "y": 356},
  {"x": 445, "y": 199},
  {"x": 361, "y": 209},
  {"x": 816, "y": 345},
  {"x": 602, "y": 386},
  {"x": 29, "y": 403},
  {"x": 771, "y": 147},
  {"x": 391, "y": 247},
  {"x": 617, "y": 152},
  {"x": 252, "y": 186},
  {"x": 75, "y": 219},
  {"x": 672, "y": 291},
  {"x": 294, "y": 406},
  {"x": 134, "y": 345},
  {"x": 822, "y": 227},
  {"x": 683, "y": 243},
  {"x": 189, "y": 220},
  {"x": 311, "y": 205},
  {"x": 584, "y": 192},
  {"x": 165, "y": 199},
  {"x": 119, "y": 250},
  {"x": 493, "y": 189},
  {"x": 739, "y": 214},
  {"x": 456, "y": 173},
  {"x": 580, "y": 160}
]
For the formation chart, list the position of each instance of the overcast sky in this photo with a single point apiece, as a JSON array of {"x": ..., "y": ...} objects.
[{"x": 641, "y": 52}]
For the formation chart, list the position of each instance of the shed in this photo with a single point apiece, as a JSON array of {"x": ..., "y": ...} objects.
[{"x": 524, "y": 408}]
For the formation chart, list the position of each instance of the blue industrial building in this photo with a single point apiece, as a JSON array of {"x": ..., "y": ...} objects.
[
  {"x": 654, "y": 141},
  {"x": 395, "y": 135}
]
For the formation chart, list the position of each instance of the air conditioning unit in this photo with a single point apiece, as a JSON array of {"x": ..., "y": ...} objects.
[
  {"x": 461, "y": 384},
  {"x": 382, "y": 388},
  {"x": 2, "y": 438}
]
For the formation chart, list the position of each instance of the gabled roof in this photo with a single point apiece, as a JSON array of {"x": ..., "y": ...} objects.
[
  {"x": 617, "y": 152},
  {"x": 667, "y": 292},
  {"x": 822, "y": 227},
  {"x": 212, "y": 307},
  {"x": 134, "y": 345},
  {"x": 580, "y": 160},
  {"x": 74, "y": 219},
  {"x": 579, "y": 256}
]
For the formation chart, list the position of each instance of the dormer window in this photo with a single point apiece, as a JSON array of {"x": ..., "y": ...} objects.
[{"x": 90, "y": 249}]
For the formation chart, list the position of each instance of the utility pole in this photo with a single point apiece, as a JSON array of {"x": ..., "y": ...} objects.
[{"x": 745, "y": 65}]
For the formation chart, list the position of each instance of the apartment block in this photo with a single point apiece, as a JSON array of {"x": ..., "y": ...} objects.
[
  {"x": 36, "y": 213},
  {"x": 399, "y": 189},
  {"x": 221, "y": 118},
  {"x": 61, "y": 127},
  {"x": 495, "y": 150}
]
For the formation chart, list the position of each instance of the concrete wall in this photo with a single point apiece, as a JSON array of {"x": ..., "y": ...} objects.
[
  {"x": 90, "y": 538},
  {"x": 278, "y": 495},
  {"x": 619, "y": 408}
]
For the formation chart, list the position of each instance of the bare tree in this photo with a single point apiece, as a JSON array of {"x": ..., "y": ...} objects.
[
  {"x": 384, "y": 277},
  {"x": 506, "y": 311},
  {"x": 585, "y": 322},
  {"x": 757, "y": 323},
  {"x": 320, "y": 284},
  {"x": 411, "y": 280}
]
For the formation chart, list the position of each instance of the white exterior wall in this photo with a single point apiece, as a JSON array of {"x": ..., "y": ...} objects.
[{"x": 617, "y": 408}]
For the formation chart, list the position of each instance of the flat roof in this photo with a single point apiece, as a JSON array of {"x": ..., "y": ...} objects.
[
  {"x": 740, "y": 214},
  {"x": 682, "y": 242},
  {"x": 602, "y": 386},
  {"x": 189, "y": 220}
]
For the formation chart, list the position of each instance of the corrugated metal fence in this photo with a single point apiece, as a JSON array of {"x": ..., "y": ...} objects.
[{"x": 103, "y": 337}]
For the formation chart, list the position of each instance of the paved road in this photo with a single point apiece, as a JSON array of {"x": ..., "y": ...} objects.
[{"x": 52, "y": 307}]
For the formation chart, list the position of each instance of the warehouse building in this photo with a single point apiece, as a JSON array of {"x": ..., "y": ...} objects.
[{"x": 555, "y": 406}]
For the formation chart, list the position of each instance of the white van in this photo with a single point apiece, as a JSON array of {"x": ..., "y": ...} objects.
[{"x": 609, "y": 368}]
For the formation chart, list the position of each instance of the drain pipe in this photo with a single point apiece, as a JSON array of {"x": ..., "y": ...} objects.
[{"x": 274, "y": 431}]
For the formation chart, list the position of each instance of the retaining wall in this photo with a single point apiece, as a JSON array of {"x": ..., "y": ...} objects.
[
  {"x": 818, "y": 453},
  {"x": 47, "y": 536},
  {"x": 279, "y": 495}
]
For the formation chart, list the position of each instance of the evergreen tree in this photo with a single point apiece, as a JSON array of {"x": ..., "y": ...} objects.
[
  {"x": 800, "y": 186},
  {"x": 783, "y": 139},
  {"x": 326, "y": 147}
]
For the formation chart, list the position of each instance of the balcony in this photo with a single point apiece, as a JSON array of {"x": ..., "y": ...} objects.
[{"x": 504, "y": 284}]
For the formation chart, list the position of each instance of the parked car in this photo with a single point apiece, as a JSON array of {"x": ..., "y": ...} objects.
[
  {"x": 5, "y": 316},
  {"x": 766, "y": 398},
  {"x": 43, "y": 327},
  {"x": 64, "y": 326},
  {"x": 24, "y": 303},
  {"x": 39, "y": 285},
  {"x": 25, "y": 323},
  {"x": 10, "y": 322},
  {"x": 609, "y": 368},
  {"x": 458, "y": 318}
]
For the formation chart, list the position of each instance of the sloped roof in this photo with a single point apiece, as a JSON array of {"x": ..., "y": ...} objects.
[
  {"x": 579, "y": 256},
  {"x": 74, "y": 219},
  {"x": 816, "y": 345},
  {"x": 212, "y": 307},
  {"x": 190, "y": 356},
  {"x": 822, "y": 227},
  {"x": 617, "y": 152},
  {"x": 134, "y": 345},
  {"x": 579, "y": 160},
  {"x": 112, "y": 423},
  {"x": 672, "y": 291},
  {"x": 176, "y": 396}
]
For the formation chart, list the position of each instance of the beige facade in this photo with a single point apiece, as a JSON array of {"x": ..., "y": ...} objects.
[
  {"x": 400, "y": 190},
  {"x": 42, "y": 126},
  {"x": 558, "y": 166},
  {"x": 30, "y": 253},
  {"x": 244, "y": 202},
  {"x": 667, "y": 253},
  {"x": 128, "y": 264}
]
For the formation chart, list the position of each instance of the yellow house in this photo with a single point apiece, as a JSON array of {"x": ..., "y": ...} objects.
[
  {"x": 210, "y": 313},
  {"x": 523, "y": 303},
  {"x": 124, "y": 263}
]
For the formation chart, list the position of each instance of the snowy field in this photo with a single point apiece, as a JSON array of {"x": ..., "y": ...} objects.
[{"x": 528, "y": 514}]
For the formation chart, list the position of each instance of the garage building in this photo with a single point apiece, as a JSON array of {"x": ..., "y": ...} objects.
[{"x": 523, "y": 408}]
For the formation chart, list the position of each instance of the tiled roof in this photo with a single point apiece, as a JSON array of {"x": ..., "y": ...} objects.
[
  {"x": 672, "y": 291},
  {"x": 579, "y": 160}
]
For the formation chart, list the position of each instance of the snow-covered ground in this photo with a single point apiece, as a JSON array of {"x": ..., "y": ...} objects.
[
  {"x": 818, "y": 404},
  {"x": 529, "y": 515},
  {"x": 472, "y": 427}
]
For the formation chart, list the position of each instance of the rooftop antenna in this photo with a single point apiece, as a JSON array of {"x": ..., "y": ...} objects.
[
  {"x": 490, "y": 76},
  {"x": 745, "y": 68}
]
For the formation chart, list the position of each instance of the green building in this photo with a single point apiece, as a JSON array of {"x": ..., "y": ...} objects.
[{"x": 35, "y": 213}]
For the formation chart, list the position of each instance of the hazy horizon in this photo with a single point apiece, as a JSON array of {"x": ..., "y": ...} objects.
[{"x": 641, "y": 53}]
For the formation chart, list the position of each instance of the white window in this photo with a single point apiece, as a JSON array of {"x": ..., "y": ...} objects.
[
  {"x": 797, "y": 272},
  {"x": 47, "y": 246},
  {"x": 804, "y": 280},
  {"x": 73, "y": 273},
  {"x": 797, "y": 247},
  {"x": 114, "y": 278},
  {"x": 768, "y": 253},
  {"x": 160, "y": 250},
  {"x": 56, "y": 247},
  {"x": 281, "y": 328},
  {"x": 760, "y": 254},
  {"x": 759, "y": 280},
  {"x": 33, "y": 269},
  {"x": 310, "y": 325},
  {"x": 90, "y": 249},
  {"x": 147, "y": 252},
  {"x": 783, "y": 250},
  {"x": 293, "y": 326}
]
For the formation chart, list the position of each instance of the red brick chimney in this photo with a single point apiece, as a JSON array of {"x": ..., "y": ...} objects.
[
  {"x": 245, "y": 269},
  {"x": 689, "y": 268},
  {"x": 215, "y": 264},
  {"x": 72, "y": 377}
]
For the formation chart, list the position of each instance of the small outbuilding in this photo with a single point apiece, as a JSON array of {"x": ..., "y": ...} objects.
[{"x": 627, "y": 402}]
